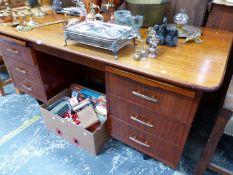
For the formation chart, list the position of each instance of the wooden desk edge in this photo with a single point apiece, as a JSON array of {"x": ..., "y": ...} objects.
[{"x": 113, "y": 63}]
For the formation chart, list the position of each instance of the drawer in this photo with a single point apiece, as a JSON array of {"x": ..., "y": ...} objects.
[
  {"x": 16, "y": 51},
  {"x": 22, "y": 69},
  {"x": 33, "y": 88},
  {"x": 143, "y": 142},
  {"x": 147, "y": 120},
  {"x": 150, "y": 94}
]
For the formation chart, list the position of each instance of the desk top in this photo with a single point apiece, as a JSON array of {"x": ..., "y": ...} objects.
[{"x": 196, "y": 66}]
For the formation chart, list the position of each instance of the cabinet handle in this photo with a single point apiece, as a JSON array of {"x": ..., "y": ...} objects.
[
  {"x": 138, "y": 94},
  {"x": 27, "y": 87},
  {"x": 138, "y": 142},
  {"x": 142, "y": 122},
  {"x": 21, "y": 70},
  {"x": 14, "y": 51}
]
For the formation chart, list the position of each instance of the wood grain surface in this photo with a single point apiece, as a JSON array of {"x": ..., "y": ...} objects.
[{"x": 197, "y": 66}]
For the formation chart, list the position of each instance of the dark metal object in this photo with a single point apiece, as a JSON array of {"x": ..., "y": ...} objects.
[
  {"x": 167, "y": 35},
  {"x": 172, "y": 37}
]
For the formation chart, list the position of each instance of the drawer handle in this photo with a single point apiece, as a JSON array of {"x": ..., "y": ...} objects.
[
  {"x": 138, "y": 142},
  {"x": 14, "y": 51},
  {"x": 21, "y": 70},
  {"x": 142, "y": 122},
  {"x": 27, "y": 87},
  {"x": 138, "y": 94}
]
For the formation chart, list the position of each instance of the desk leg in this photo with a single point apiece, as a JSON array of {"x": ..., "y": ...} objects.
[
  {"x": 212, "y": 143},
  {"x": 18, "y": 91}
]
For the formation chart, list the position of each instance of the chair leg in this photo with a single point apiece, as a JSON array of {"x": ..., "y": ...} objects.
[
  {"x": 219, "y": 170},
  {"x": 2, "y": 89},
  {"x": 212, "y": 143},
  {"x": 18, "y": 91}
]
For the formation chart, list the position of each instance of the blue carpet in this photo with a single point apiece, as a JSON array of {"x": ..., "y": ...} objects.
[{"x": 35, "y": 151}]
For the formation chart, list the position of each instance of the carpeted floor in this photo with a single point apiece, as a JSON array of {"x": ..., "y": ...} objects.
[{"x": 36, "y": 152}]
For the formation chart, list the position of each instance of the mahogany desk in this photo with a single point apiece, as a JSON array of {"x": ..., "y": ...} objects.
[{"x": 151, "y": 104}]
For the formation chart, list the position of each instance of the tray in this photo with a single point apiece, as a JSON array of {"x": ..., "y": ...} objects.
[{"x": 99, "y": 34}]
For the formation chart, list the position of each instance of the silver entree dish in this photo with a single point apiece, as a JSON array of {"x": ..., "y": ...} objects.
[{"x": 99, "y": 34}]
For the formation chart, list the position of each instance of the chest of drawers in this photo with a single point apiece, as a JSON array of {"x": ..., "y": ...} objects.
[
  {"x": 21, "y": 63},
  {"x": 149, "y": 115}
]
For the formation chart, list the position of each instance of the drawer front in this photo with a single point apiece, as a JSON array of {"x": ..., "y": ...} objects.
[
  {"x": 143, "y": 142},
  {"x": 33, "y": 88},
  {"x": 147, "y": 120},
  {"x": 162, "y": 101},
  {"x": 16, "y": 51},
  {"x": 21, "y": 69}
]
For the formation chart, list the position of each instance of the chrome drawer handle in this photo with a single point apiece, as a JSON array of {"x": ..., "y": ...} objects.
[
  {"x": 138, "y": 142},
  {"x": 21, "y": 70},
  {"x": 138, "y": 94},
  {"x": 142, "y": 122},
  {"x": 14, "y": 51},
  {"x": 27, "y": 87}
]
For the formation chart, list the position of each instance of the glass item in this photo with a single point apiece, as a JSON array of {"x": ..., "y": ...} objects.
[
  {"x": 57, "y": 5},
  {"x": 180, "y": 20},
  {"x": 22, "y": 23},
  {"x": 100, "y": 34},
  {"x": 137, "y": 55},
  {"x": 124, "y": 17},
  {"x": 39, "y": 12},
  {"x": 28, "y": 15}
]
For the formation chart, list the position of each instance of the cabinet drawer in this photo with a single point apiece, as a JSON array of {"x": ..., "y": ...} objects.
[
  {"x": 143, "y": 142},
  {"x": 147, "y": 120},
  {"x": 33, "y": 88},
  {"x": 16, "y": 51},
  {"x": 158, "y": 98},
  {"x": 22, "y": 69}
]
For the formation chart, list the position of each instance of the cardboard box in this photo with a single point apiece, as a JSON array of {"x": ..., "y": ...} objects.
[{"x": 75, "y": 134}]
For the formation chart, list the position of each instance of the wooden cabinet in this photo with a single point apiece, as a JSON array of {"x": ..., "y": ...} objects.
[
  {"x": 151, "y": 116},
  {"x": 21, "y": 63},
  {"x": 221, "y": 17},
  {"x": 16, "y": 51}
]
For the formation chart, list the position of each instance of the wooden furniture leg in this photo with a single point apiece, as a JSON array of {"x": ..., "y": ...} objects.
[
  {"x": 219, "y": 170},
  {"x": 2, "y": 89},
  {"x": 18, "y": 91},
  {"x": 212, "y": 143}
]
